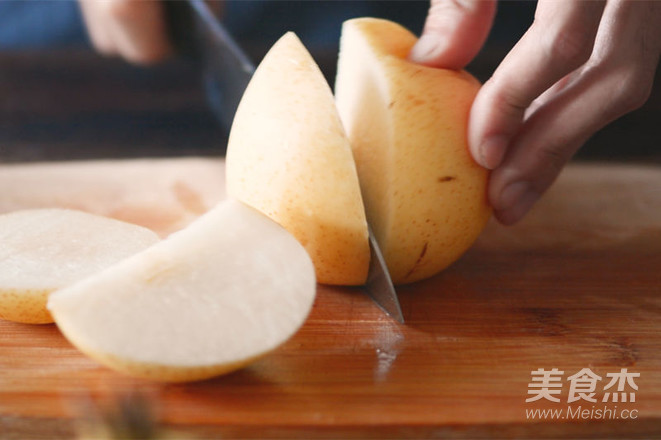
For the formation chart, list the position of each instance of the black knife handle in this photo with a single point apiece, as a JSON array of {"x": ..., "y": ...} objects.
[
  {"x": 181, "y": 27},
  {"x": 198, "y": 36}
]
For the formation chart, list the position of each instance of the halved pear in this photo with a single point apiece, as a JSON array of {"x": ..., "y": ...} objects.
[
  {"x": 42, "y": 250},
  {"x": 424, "y": 195},
  {"x": 207, "y": 300},
  {"x": 288, "y": 156}
]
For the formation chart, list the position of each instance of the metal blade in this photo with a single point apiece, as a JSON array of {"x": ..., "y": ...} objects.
[
  {"x": 379, "y": 285},
  {"x": 197, "y": 34}
]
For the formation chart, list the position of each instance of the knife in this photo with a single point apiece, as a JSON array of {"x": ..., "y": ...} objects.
[{"x": 199, "y": 36}]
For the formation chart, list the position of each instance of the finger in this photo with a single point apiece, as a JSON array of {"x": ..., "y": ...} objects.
[
  {"x": 96, "y": 30},
  {"x": 617, "y": 80},
  {"x": 138, "y": 29},
  {"x": 555, "y": 89},
  {"x": 559, "y": 41},
  {"x": 454, "y": 32}
]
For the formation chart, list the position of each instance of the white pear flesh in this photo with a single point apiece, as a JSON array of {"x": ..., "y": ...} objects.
[
  {"x": 289, "y": 157},
  {"x": 207, "y": 300},
  {"x": 425, "y": 197},
  {"x": 42, "y": 250}
]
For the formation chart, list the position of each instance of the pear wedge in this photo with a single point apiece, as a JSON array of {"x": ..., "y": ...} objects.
[
  {"x": 42, "y": 250},
  {"x": 288, "y": 156},
  {"x": 207, "y": 300}
]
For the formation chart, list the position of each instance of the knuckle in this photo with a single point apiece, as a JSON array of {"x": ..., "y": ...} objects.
[
  {"x": 569, "y": 47},
  {"x": 118, "y": 9},
  {"x": 442, "y": 7},
  {"x": 630, "y": 82},
  {"x": 466, "y": 6},
  {"x": 506, "y": 99},
  {"x": 145, "y": 57},
  {"x": 634, "y": 93},
  {"x": 630, "y": 86},
  {"x": 153, "y": 53},
  {"x": 552, "y": 158},
  {"x": 105, "y": 49},
  {"x": 444, "y": 14},
  {"x": 103, "y": 45}
]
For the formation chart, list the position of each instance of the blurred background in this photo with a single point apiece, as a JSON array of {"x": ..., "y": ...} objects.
[{"x": 60, "y": 100}]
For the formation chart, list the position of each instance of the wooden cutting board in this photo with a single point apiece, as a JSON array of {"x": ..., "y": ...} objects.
[{"x": 576, "y": 285}]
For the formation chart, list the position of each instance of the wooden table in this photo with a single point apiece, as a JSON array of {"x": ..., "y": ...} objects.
[{"x": 576, "y": 285}]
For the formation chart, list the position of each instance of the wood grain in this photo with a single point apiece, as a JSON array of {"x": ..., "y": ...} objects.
[{"x": 576, "y": 285}]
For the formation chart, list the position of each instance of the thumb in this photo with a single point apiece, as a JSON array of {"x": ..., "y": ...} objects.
[{"x": 454, "y": 32}]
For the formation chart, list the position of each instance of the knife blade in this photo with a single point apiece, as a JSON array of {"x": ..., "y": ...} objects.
[
  {"x": 379, "y": 285},
  {"x": 227, "y": 70},
  {"x": 198, "y": 35}
]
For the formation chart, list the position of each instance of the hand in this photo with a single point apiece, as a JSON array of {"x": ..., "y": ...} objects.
[
  {"x": 133, "y": 29},
  {"x": 581, "y": 65}
]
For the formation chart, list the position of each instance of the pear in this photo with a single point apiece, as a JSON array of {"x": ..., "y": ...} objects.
[
  {"x": 406, "y": 156},
  {"x": 209, "y": 299},
  {"x": 425, "y": 197},
  {"x": 288, "y": 156},
  {"x": 42, "y": 250}
]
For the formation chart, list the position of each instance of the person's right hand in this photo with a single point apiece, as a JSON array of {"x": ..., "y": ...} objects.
[
  {"x": 580, "y": 65},
  {"x": 133, "y": 29}
]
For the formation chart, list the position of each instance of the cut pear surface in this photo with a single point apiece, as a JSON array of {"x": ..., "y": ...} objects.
[
  {"x": 42, "y": 250},
  {"x": 425, "y": 197},
  {"x": 207, "y": 300},
  {"x": 288, "y": 156}
]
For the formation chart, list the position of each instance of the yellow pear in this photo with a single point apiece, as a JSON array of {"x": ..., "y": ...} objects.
[
  {"x": 424, "y": 195},
  {"x": 288, "y": 156}
]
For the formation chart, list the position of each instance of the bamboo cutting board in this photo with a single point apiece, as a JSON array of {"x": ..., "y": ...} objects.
[{"x": 576, "y": 285}]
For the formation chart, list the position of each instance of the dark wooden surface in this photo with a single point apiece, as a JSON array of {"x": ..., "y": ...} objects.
[{"x": 575, "y": 285}]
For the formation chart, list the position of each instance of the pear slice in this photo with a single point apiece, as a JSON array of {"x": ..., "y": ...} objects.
[
  {"x": 424, "y": 195},
  {"x": 42, "y": 250},
  {"x": 288, "y": 156},
  {"x": 207, "y": 300}
]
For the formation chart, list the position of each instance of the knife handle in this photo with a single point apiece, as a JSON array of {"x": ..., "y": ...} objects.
[
  {"x": 180, "y": 27},
  {"x": 198, "y": 36}
]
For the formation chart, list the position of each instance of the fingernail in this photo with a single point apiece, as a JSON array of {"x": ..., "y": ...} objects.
[
  {"x": 491, "y": 151},
  {"x": 427, "y": 47},
  {"x": 515, "y": 201}
]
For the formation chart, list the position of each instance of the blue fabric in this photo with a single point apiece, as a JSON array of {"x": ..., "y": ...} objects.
[
  {"x": 39, "y": 23},
  {"x": 46, "y": 23},
  {"x": 317, "y": 23}
]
